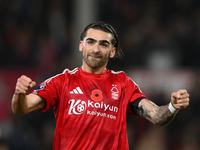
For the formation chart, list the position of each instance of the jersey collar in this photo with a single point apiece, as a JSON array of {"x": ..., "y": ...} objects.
[{"x": 87, "y": 74}]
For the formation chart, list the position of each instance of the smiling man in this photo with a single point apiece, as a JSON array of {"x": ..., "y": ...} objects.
[
  {"x": 91, "y": 102},
  {"x": 97, "y": 49}
]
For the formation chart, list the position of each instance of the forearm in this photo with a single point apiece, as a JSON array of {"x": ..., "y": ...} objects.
[
  {"x": 162, "y": 116},
  {"x": 159, "y": 115},
  {"x": 23, "y": 104},
  {"x": 19, "y": 104}
]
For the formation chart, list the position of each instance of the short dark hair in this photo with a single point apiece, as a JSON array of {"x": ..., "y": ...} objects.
[{"x": 106, "y": 28}]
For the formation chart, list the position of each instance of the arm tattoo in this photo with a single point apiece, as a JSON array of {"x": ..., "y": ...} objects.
[{"x": 159, "y": 115}]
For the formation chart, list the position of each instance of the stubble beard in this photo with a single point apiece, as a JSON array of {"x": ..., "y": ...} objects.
[{"x": 95, "y": 63}]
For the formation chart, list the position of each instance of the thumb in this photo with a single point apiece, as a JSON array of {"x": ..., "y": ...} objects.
[
  {"x": 32, "y": 84},
  {"x": 182, "y": 91},
  {"x": 175, "y": 95}
]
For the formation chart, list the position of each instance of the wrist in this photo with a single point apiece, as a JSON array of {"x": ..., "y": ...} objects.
[{"x": 172, "y": 108}]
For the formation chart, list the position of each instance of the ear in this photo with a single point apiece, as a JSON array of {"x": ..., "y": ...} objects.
[
  {"x": 112, "y": 54},
  {"x": 81, "y": 46}
]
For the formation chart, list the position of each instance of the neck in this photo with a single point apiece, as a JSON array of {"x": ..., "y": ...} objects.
[{"x": 94, "y": 70}]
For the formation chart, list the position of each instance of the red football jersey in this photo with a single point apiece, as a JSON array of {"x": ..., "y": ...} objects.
[{"x": 90, "y": 109}]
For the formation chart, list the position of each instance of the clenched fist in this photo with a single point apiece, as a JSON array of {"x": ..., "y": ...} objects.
[
  {"x": 24, "y": 83},
  {"x": 180, "y": 99}
]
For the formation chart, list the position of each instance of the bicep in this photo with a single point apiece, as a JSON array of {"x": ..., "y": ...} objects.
[{"x": 35, "y": 102}]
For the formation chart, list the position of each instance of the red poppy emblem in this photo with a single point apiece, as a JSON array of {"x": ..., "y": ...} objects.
[{"x": 96, "y": 95}]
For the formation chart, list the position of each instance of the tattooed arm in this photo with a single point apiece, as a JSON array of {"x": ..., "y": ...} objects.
[{"x": 161, "y": 115}]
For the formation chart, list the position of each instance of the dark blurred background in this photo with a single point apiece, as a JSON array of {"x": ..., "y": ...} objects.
[{"x": 161, "y": 42}]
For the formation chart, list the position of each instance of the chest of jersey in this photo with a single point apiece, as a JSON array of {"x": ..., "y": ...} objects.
[{"x": 93, "y": 97}]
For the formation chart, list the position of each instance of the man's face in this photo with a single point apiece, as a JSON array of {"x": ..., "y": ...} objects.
[{"x": 97, "y": 48}]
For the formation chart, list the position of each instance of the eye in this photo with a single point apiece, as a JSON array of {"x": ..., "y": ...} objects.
[
  {"x": 90, "y": 42},
  {"x": 104, "y": 44}
]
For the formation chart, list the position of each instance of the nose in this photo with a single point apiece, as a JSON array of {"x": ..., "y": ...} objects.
[{"x": 96, "y": 48}]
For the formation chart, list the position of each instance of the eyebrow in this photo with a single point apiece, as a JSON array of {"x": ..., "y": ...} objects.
[{"x": 101, "y": 41}]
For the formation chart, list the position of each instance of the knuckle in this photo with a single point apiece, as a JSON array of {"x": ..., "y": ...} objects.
[
  {"x": 17, "y": 88},
  {"x": 173, "y": 94},
  {"x": 19, "y": 80},
  {"x": 23, "y": 76}
]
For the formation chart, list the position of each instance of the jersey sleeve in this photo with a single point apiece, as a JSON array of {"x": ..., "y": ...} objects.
[
  {"x": 134, "y": 93},
  {"x": 49, "y": 90}
]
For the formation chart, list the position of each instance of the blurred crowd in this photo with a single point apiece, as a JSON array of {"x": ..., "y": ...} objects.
[{"x": 156, "y": 37}]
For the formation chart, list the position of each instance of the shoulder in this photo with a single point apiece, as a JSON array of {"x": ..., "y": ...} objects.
[
  {"x": 74, "y": 71},
  {"x": 118, "y": 73},
  {"x": 63, "y": 75},
  {"x": 123, "y": 76},
  {"x": 119, "y": 76}
]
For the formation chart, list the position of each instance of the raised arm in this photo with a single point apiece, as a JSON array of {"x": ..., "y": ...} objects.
[
  {"x": 23, "y": 103},
  {"x": 162, "y": 115}
]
